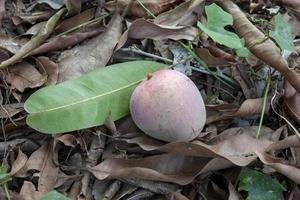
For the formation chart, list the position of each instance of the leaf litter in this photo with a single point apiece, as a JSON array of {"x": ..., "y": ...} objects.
[{"x": 39, "y": 48}]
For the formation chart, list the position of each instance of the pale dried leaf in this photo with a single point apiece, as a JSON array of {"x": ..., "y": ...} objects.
[
  {"x": 24, "y": 75},
  {"x": 91, "y": 55},
  {"x": 9, "y": 110},
  {"x": 50, "y": 67},
  {"x": 142, "y": 28}
]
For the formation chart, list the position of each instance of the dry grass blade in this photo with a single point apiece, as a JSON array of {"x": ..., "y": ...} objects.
[
  {"x": 267, "y": 51},
  {"x": 35, "y": 41}
]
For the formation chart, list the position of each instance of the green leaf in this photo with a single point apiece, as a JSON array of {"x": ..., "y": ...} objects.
[
  {"x": 259, "y": 186},
  {"x": 283, "y": 34},
  {"x": 4, "y": 177},
  {"x": 54, "y": 195},
  {"x": 217, "y": 19},
  {"x": 87, "y": 101}
]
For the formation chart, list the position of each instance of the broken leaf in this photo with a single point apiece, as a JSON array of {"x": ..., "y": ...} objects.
[
  {"x": 259, "y": 186},
  {"x": 283, "y": 34},
  {"x": 88, "y": 100}
]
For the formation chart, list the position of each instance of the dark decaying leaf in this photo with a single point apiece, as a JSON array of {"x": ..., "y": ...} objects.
[
  {"x": 92, "y": 55},
  {"x": 94, "y": 97}
]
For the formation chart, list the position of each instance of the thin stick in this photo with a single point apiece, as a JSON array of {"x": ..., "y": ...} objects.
[
  {"x": 146, "y": 9},
  {"x": 82, "y": 25},
  {"x": 264, "y": 107}
]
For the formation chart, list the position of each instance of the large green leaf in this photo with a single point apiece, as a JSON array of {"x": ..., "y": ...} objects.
[
  {"x": 259, "y": 186},
  {"x": 217, "y": 19},
  {"x": 283, "y": 34},
  {"x": 87, "y": 101}
]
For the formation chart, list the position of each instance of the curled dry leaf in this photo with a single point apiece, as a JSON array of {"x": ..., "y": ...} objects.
[
  {"x": 33, "y": 17},
  {"x": 76, "y": 20},
  {"x": 11, "y": 44},
  {"x": 93, "y": 54},
  {"x": 281, "y": 166},
  {"x": 293, "y": 4},
  {"x": 267, "y": 51},
  {"x": 235, "y": 144},
  {"x": 186, "y": 11},
  {"x": 28, "y": 191},
  {"x": 65, "y": 41},
  {"x": 155, "y": 6},
  {"x": 50, "y": 67},
  {"x": 291, "y": 101},
  {"x": 70, "y": 140},
  {"x": 211, "y": 60},
  {"x": 18, "y": 164},
  {"x": 249, "y": 107},
  {"x": 24, "y": 75},
  {"x": 35, "y": 41},
  {"x": 142, "y": 28},
  {"x": 73, "y": 6},
  {"x": 166, "y": 167},
  {"x": 9, "y": 110}
]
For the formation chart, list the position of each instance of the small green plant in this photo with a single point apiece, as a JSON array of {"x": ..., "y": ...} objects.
[
  {"x": 283, "y": 34},
  {"x": 217, "y": 20},
  {"x": 259, "y": 186}
]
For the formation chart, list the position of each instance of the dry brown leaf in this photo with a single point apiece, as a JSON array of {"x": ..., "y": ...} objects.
[
  {"x": 179, "y": 196},
  {"x": 293, "y": 4},
  {"x": 50, "y": 67},
  {"x": 9, "y": 110},
  {"x": 293, "y": 18},
  {"x": 180, "y": 15},
  {"x": 290, "y": 171},
  {"x": 209, "y": 59},
  {"x": 28, "y": 191},
  {"x": 18, "y": 164},
  {"x": 249, "y": 107},
  {"x": 267, "y": 51},
  {"x": 233, "y": 194},
  {"x": 32, "y": 18},
  {"x": 155, "y": 6},
  {"x": 235, "y": 144},
  {"x": 76, "y": 20},
  {"x": 70, "y": 140},
  {"x": 141, "y": 29},
  {"x": 11, "y": 44},
  {"x": 35, "y": 28},
  {"x": 35, "y": 41},
  {"x": 73, "y": 6},
  {"x": 93, "y": 54},
  {"x": 48, "y": 172},
  {"x": 4, "y": 54},
  {"x": 2, "y": 10},
  {"x": 166, "y": 167},
  {"x": 291, "y": 101},
  {"x": 24, "y": 75},
  {"x": 65, "y": 42}
]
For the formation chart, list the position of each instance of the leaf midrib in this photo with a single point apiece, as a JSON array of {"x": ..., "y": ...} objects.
[{"x": 89, "y": 99}]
